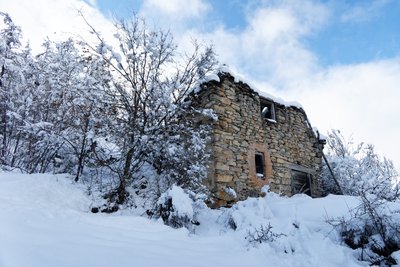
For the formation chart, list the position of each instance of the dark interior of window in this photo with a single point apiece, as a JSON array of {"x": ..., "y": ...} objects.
[
  {"x": 301, "y": 183},
  {"x": 260, "y": 165},
  {"x": 267, "y": 110}
]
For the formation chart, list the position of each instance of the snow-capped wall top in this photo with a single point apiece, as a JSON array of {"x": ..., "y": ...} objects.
[{"x": 238, "y": 78}]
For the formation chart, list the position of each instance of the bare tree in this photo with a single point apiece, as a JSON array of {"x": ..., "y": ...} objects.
[
  {"x": 149, "y": 91},
  {"x": 359, "y": 169}
]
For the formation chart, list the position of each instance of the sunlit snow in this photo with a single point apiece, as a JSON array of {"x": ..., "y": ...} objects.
[{"x": 45, "y": 220}]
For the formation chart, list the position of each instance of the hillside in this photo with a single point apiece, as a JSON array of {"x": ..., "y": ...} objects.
[{"x": 45, "y": 221}]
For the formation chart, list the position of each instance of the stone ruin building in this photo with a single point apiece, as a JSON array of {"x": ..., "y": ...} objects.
[{"x": 258, "y": 141}]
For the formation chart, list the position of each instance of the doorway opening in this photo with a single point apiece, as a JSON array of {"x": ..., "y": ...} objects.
[{"x": 301, "y": 183}]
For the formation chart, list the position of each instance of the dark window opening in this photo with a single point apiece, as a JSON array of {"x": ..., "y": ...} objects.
[
  {"x": 267, "y": 110},
  {"x": 260, "y": 165},
  {"x": 301, "y": 183}
]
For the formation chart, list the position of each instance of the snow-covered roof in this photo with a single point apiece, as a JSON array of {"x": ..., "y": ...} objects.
[{"x": 238, "y": 78}]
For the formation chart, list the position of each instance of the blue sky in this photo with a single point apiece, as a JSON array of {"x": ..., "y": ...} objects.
[
  {"x": 373, "y": 35},
  {"x": 367, "y": 38},
  {"x": 339, "y": 58}
]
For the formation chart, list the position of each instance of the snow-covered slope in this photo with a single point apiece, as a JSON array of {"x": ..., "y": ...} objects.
[{"x": 45, "y": 222}]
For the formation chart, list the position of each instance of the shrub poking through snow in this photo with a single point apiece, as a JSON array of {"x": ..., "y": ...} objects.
[
  {"x": 175, "y": 208},
  {"x": 358, "y": 169},
  {"x": 263, "y": 234},
  {"x": 373, "y": 229}
]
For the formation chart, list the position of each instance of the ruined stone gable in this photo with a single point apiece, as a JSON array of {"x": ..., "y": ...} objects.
[{"x": 257, "y": 141}]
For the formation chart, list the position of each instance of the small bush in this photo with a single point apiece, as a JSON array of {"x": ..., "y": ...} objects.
[
  {"x": 263, "y": 234},
  {"x": 175, "y": 208},
  {"x": 372, "y": 229},
  {"x": 358, "y": 169}
]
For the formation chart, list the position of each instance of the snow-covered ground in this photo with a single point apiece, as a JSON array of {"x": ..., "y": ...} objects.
[{"x": 45, "y": 221}]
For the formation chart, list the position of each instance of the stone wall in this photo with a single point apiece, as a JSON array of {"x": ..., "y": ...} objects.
[{"x": 287, "y": 144}]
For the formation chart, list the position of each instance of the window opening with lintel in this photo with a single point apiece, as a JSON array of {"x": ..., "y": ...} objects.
[
  {"x": 260, "y": 164},
  {"x": 267, "y": 110}
]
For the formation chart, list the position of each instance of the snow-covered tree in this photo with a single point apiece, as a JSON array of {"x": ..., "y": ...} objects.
[
  {"x": 359, "y": 169},
  {"x": 68, "y": 104},
  {"x": 11, "y": 83},
  {"x": 151, "y": 129},
  {"x": 51, "y": 104},
  {"x": 116, "y": 113}
]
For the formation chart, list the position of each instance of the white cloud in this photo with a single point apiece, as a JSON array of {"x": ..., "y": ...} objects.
[
  {"x": 175, "y": 9},
  {"x": 360, "y": 100},
  {"x": 55, "y": 19},
  {"x": 272, "y": 24},
  {"x": 270, "y": 46}
]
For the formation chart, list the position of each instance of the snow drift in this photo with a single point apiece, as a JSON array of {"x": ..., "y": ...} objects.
[{"x": 45, "y": 220}]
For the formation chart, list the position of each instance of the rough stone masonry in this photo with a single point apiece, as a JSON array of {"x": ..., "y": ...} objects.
[{"x": 257, "y": 141}]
